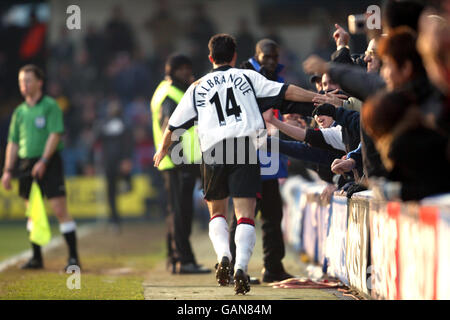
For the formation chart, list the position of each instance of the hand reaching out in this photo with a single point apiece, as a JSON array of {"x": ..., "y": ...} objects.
[
  {"x": 341, "y": 37},
  {"x": 268, "y": 115},
  {"x": 327, "y": 193},
  {"x": 333, "y": 98},
  {"x": 341, "y": 166}
]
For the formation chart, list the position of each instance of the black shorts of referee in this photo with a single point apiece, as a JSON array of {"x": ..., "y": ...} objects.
[{"x": 52, "y": 183}]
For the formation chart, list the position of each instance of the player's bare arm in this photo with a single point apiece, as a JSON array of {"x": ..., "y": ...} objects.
[
  {"x": 294, "y": 93},
  {"x": 292, "y": 131},
  {"x": 163, "y": 149}
]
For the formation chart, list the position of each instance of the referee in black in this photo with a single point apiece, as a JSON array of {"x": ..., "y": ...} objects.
[{"x": 34, "y": 145}]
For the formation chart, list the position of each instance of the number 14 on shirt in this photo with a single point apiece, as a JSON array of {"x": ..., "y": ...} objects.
[{"x": 231, "y": 107}]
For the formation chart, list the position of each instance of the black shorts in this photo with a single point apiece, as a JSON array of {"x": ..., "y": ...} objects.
[
  {"x": 236, "y": 180},
  {"x": 51, "y": 184}
]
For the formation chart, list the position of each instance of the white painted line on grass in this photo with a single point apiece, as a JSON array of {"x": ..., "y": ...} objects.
[{"x": 54, "y": 243}]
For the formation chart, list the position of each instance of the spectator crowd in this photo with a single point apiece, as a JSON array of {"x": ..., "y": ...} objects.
[
  {"x": 381, "y": 120},
  {"x": 377, "y": 120},
  {"x": 382, "y": 115},
  {"x": 110, "y": 70}
]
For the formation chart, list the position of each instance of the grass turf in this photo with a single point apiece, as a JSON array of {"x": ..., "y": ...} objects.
[
  {"x": 50, "y": 286},
  {"x": 113, "y": 267},
  {"x": 14, "y": 238}
]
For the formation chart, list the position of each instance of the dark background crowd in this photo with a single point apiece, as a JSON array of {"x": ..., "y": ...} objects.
[{"x": 107, "y": 68}]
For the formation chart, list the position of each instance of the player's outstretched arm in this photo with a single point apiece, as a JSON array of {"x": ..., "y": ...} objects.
[
  {"x": 294, "y": 93},
  {"x": 163, "y": 148},
  {"x": 292, "y": 131}
]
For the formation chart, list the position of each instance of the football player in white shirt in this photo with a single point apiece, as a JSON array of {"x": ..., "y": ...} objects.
[{"x": 227, "y": 104}]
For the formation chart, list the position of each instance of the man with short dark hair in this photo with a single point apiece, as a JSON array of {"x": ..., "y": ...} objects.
[
  {"x": 117, "y": 143},
  {"x": 266, "y": 62},
  {"x": 34, "y": 145},
  {"x": 227, "y": 104}
]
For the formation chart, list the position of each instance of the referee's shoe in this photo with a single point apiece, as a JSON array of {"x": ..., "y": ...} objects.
[
  {"x": 33, "y": 263},
  {"x": 192, "y": 268},
  {"x": 73, "y": 261}
]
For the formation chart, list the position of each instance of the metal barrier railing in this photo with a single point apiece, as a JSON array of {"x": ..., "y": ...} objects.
[{"x": 386, "y": 250}]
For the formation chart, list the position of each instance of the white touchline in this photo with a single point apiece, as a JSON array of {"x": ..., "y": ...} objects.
[{"x": 54, "y": 243}]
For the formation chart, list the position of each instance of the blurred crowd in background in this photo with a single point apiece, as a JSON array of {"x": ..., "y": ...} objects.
[{"x": 111, "y": 71}]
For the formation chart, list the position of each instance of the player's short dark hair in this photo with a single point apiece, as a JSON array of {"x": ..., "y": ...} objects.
[
  {"x": 222, "y": 48},
  {"x": 38, "y": 72},
  {"x": 175, "y": 61}
]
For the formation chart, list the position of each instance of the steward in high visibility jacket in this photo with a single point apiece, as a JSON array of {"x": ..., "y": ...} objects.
[
  {"x": 164, "y": 101},
  {"x": 179, "y": 180}
]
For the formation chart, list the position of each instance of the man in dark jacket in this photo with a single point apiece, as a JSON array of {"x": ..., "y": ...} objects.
[
  {"x": 116, "y": 141},
  {"x": 432, "y": 45},
  {"x": 270, "y": 203}
]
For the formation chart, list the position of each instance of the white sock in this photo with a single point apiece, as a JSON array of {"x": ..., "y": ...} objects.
[
  {"x": 67, "y": 227},
  {"x": 219, "y": 235},
  {"x": 245, "y": 239},
  {"x": 29, "y": 225}
]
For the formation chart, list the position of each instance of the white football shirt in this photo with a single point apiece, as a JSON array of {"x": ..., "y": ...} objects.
[{"x": 227, "y": 103}]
